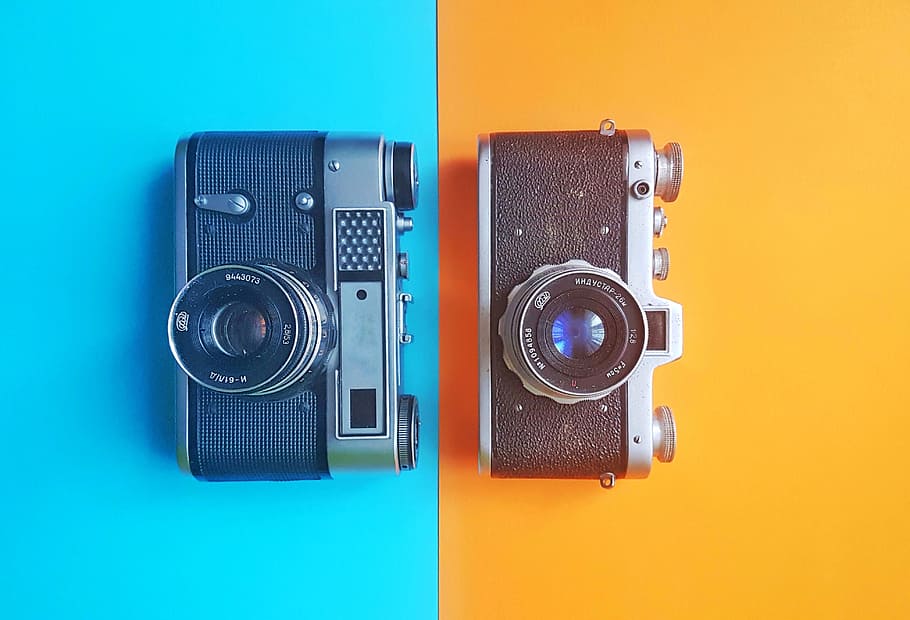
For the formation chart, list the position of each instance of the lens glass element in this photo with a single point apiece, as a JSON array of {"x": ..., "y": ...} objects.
[
  {"x": 240, "y": 329},
  {"x": 577, "y": 332}
]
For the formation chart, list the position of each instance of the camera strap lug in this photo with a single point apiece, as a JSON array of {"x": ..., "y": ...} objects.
[
  {"x": 607, "y": 127},
  {"x": 403, "y": 300}
]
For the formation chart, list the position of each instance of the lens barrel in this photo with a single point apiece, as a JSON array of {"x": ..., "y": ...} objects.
[
  {"x": 573, "y": 332},
  {"x": 250, "y": 329}
]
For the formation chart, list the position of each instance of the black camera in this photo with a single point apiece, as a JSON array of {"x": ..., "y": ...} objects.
[
  {"x": 289, "y": 317},
  {"x": 570, "y": 327}
]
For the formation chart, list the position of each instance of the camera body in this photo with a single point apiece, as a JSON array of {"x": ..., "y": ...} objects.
[
  {"x": 570, "y": 328},
  {"x": 289, "y": 315}
]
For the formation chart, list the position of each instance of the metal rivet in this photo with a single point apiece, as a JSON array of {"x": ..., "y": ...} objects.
[
  {"x": 605, "y": 230},
  {"x": 604, "y": 408},
  {"x": 334, "y": 165},
  {"x": 637, "y": 439},
  {"x": 518, "y": 232},
  {"x": 518, "y": 408},
  {"x": 638, "y": 165},
  {"x": 304, "y": 201}
]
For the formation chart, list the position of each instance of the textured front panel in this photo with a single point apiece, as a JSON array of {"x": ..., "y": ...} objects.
[
  {"x": 272, "y": 168},
  {"x": 555, "y": 197},
  {"x": 235, "y": 439}
]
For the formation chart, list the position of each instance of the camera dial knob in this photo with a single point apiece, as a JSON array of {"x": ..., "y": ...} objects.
[
  {"x": 669, "y": 171},
  {"x": 663, "y": 434},
  {"x": 408, "y": 431},
  {"x": 660, "y": 221},
  {"x": 401, "y": 182},
  {"x": 404, "y": 265},
  {"x": 404, "y": 224},
  {"x": 661, "y": 262}
]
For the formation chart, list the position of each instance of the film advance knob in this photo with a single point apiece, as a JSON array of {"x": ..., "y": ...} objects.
[
  {"x": 408, "y": 431},
  {"x": 669, "y": 171},
  {"x": 404, "y": 175},
  {"x": 663, "y": 434}
]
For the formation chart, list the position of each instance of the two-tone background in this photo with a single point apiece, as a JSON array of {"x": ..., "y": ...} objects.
[{"x": 789, "y": 496}]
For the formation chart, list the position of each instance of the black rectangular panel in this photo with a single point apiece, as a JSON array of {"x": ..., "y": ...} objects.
[{"x": 363, "y": 409}]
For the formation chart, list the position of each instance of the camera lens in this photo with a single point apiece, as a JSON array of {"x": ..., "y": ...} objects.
[
  {"x": 572, "y": 332},
  {"x": 577, "y": 333},
  {"x": 250, "y": 329},
  {"x": 239, "y": 329}
]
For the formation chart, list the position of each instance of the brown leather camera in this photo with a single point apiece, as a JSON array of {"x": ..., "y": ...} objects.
[{"x": 570, "y": 327}]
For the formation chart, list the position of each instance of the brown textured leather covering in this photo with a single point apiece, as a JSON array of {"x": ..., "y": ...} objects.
[{"x": 560, "y": 189}]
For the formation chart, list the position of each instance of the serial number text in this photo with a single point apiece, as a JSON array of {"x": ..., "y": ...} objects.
[{"x": 242, "y": 277}]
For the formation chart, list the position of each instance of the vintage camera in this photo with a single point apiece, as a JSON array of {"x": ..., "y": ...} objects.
[
  {"x": 289, "y": 316},
  {"x": 570, "y": 327}
]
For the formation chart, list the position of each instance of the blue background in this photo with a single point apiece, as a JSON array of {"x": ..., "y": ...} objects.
[{"x": 96, "y": 519}]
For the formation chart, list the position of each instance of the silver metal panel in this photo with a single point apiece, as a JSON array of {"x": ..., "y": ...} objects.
[
  {"x": 353, "y": 172},
  {"x": 182, "y": 412},
  {"x": 361, "y": 336},
  {"x": 484, "y": 228},
  {"x": 639, "y": 248}
]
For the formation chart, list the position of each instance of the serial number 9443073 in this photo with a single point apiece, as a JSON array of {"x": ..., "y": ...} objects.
[{"x": 242, "y": 277}]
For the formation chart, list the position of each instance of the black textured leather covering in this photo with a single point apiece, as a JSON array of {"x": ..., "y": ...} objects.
[
  {"x": 560, "y": 189},
  {"x": 272, "y": 168},
  {"x": 237, "y": 437}
]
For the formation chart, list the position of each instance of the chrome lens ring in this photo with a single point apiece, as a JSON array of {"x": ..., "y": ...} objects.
[
  {"x": 319, "y": 328},
  {"x": 532, "y": 352},
  {"x": 297, "y": 328}
]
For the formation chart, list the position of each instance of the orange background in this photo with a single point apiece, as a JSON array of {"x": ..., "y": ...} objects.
[{"x": 789, "y": 494}]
